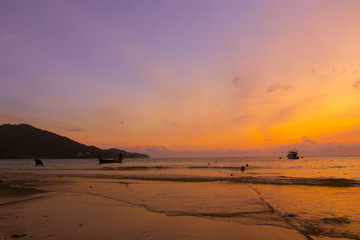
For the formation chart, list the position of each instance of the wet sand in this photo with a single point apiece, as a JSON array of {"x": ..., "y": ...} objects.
[{"x": 66, "y": 208}]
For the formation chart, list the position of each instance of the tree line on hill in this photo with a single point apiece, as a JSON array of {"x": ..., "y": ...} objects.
[{"x": 25, "y": 141}]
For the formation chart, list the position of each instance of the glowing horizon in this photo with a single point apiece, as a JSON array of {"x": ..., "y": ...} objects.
[{"x": 173, "y": 78}]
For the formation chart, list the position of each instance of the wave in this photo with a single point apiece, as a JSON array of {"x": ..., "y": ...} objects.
[
  {"x": 281, "y": 180},
  {"x": 284, "y": 180},
  {"x": 134, "y": 168},
  {"x": 336, "y": 220},
  {"x": 173, "y": 167},
  {"x": 208, "y": 214}
]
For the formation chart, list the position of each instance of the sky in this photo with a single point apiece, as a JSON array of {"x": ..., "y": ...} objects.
[{"x": 186, "y": 78}]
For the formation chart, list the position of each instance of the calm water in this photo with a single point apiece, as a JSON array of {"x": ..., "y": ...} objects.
[{"x": 317, "y": 196}]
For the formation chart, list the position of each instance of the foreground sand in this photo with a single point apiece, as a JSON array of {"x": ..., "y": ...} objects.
[{"x": 70, "y": 209}]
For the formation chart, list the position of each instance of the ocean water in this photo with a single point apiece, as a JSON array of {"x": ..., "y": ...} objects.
[{"x": 317, "y": 196}]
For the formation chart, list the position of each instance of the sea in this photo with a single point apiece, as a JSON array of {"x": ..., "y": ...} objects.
[{"x": 317, "y": 196}]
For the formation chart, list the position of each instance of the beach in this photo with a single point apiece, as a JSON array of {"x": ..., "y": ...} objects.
[
  {"x": 173, "y": 199},
  {"x": 73, "y": 209}
]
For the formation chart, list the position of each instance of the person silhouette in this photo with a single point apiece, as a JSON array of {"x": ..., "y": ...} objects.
[{"x": 38, "y": 162}]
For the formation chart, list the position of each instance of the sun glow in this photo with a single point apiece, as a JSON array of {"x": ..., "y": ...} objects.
[{"x": 243, "y": 75}]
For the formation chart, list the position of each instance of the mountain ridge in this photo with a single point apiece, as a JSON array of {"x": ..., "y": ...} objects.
[{"x": 25, "y": 141}]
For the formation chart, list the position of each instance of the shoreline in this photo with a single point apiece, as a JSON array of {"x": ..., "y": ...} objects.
[
  {"x": 83, "y": 217},
  {"x": 45, "y": 206},
  {"x": 56, "y": 208}
]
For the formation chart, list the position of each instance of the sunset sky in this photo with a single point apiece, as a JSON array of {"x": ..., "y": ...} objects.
[{"x": 176, "y": 78}]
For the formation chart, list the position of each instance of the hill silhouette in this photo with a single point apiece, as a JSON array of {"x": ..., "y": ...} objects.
[{"x": 25, "y": 141}]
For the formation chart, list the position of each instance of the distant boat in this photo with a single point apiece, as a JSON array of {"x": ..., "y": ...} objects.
[
  {"x": 292, "y": 154},
  {"x": 114, "y": 160}
]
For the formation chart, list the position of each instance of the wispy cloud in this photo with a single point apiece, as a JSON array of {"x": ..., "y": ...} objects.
[
  {"x": 304, "y": 148},
  {"x": 236, "y": 80},
  {"x": 306, "y": 139},
  {"x": 276, "y": 87},
  {"x": 357, "y": 84},
  {"x": 174, "y": 124},
  {"x": 76, "y": 130}
]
